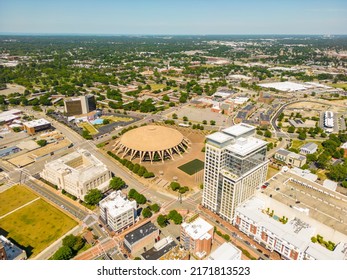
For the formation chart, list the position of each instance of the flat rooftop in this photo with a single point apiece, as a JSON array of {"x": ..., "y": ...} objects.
[
  {"x": 198, "y": 229},
  {"x": 156, "y": 253},
  {"x": 244, "y": 146},
  {"x": 238, "y": 129},
  {"x": 286, "y": 86},
  {"x": 36, "y": 123},
  {"x": 116, "y": 204},
  {"x": 219, "y": 137},
  {"x": 226, "y": 251},
  {"x": 325, "y": 206},
  {"x": 140, "y": 233}
]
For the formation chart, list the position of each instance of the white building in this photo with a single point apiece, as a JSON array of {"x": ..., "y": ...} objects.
[
  {"x": 309, "y": 148},
  {"x": 117, "y": 211},
  {"x": 226, "y": 251},
  {"x": 77, "y": 173},
  {"x": 262, "y": 220},
  {"x": 235, "y": 165}
]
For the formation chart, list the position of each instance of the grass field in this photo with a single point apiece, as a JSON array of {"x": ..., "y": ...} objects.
[
  {"x": 117, "y": 119},
  {"x": 14, "y": 198},
  {"x": 338, "y": 85},
  {"x": 296, "y": 144},
  {"x": 36, "y": 226},
  {"x": 87, "y": 126},
  {"x": 192, "y": 167},
  {"x": 157, "y": 86}
]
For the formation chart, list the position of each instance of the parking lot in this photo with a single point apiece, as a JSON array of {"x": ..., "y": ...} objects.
[{"x": 325, "y": 206}]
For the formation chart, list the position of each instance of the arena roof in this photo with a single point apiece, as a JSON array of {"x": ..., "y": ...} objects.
[{"x": 151, "y": 142}]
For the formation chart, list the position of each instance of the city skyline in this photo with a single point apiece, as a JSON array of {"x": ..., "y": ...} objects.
[{"x": 178, "y": 18}]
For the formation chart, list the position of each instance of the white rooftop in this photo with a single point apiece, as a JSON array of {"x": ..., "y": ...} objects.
[
  {"x": 331, "y": 185},
  {"x": 219, "y": 137},
  {"x": 244, "y": 146},
  {"x": 116, "y": 204},
  {"x": 36, "y": 123},
  {"x": 226, "y": 251},
  {"x": 10, "y": 112},
  {"x": 286, "y": 86},
  {"x": 238, "y": 129},
  {"x": 307, "y": 174},
  {"x": 90, "y": 167},
  {"x": 198, "y": 229}
]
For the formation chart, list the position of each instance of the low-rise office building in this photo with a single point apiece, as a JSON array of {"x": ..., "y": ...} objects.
[
  {"x": 34, "y": 126},
  {"x": 143, "y": 237},
  {"x": 117, "y": 211},
  {"x": 77, "y": 173},
  {"x": 290, "y": 158},
  {"x": 197, "y": 236}
]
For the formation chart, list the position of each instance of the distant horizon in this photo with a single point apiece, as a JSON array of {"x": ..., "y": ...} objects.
[
  {"x": 179, "y": 17},
  {"x": 153, "y": 34}
]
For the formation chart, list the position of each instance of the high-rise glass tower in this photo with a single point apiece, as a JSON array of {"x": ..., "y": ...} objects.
[{"x": 235, "y": 165}]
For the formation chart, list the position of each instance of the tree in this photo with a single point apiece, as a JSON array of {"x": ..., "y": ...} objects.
[
  {"x": 117, "y": 183},
  {"x": 302, "y": 136},
  {"x": 291, "y": 129},
  {"x": 140, "y": 199},
  {"x": 141, "y": 171},
  {"x": 148, "y": 175},
  {"x": 175, "y": 186},
  {"x": 106, "y": 121},
  {"x": 70, "y": 240},
  {"x": 267, "y": 134},
  {"x": 338, "y": 172},
  {"x": 86, "y": 135},
  {"x": 344, "y": 184},
  {"x": 185, "y": 118},
  {"x": 155, "y": 208},
  {"x": 41, "y": 142},
  {"x": 212, "y": 122},
  {"x": 63, "y": 253},
  {"x": 175, "y": 217},
  {"x": 162, "y": 220},
  {"x": 132, "y": 193},
  {"x": 93, "y": 197},
  {"x": 204, "y": 121},
  {"x": 174, "y": 116},
  {"x": 146, "y": 213}
]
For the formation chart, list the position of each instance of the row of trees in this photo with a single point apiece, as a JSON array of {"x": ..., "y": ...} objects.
[{"x": 136, "y": 168}]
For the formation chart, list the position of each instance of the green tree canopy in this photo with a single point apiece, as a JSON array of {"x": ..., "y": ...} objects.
[{"x": 93, "y": 197}]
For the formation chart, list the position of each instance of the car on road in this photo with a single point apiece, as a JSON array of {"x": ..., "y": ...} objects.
[
  {"x": 62, "y": 206},
  {"x": 266, "y": 255},
  {"x": 247, "y": 243}
]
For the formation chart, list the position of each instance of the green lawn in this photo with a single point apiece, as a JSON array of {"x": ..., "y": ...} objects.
[
  {"x": 87, "y": 126},
  {"x": 14, "y": 197},
  {"x": 338, "y": 85},
  {"x": 36, "y": 226},
  {"x": 192, "y": 167},
  {"x": 157, "y": 86},
  {"x": 296, "y": 144},
  {"x": 117, "y": 119}
]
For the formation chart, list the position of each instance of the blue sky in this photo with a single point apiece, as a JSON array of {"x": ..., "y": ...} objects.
[{"x": 174, "y": 17}]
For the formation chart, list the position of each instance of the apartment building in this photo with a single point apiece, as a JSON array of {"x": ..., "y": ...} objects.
[
  {"x": 290, "y": 158},
  {"x": 197, "y": 236},
  {"x": 235, "y": 165}
]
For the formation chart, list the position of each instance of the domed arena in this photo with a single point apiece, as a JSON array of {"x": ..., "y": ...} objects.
[{"x": 151, "y": 143}]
